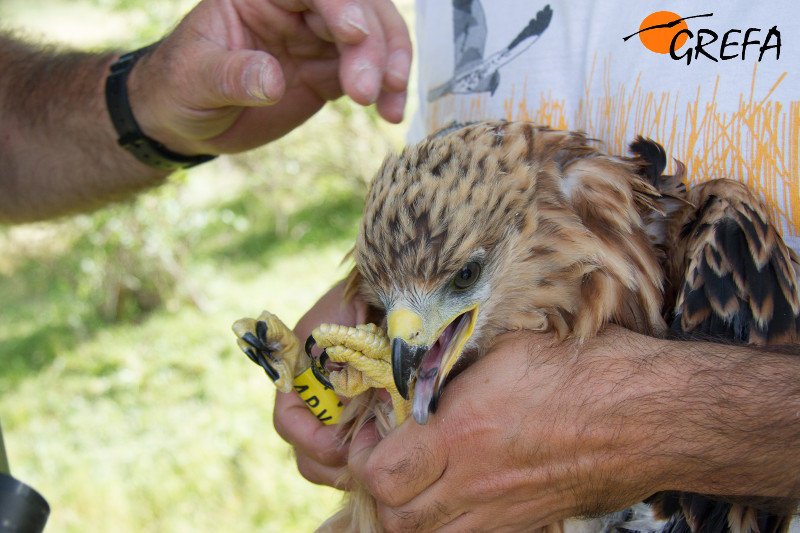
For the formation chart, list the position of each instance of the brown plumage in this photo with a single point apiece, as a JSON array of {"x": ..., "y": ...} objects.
[
  {"x": 734, "y": 276},
  {"x": 730, "y": 277},
  {"x": 499, "y": 226}
]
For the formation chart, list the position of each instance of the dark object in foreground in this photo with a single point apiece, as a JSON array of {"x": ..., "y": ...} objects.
[{"x": 22, "y": 509}]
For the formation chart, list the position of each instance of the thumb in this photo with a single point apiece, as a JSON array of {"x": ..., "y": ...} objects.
[
  {"x": 240, "y": 78},
  {"x": 399, "y": 467}
]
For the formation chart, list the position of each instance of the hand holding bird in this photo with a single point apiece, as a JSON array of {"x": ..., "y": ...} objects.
[{"x": 507, "y": 227}]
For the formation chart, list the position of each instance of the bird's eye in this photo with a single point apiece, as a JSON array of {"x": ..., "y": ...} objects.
[{"x": 467, "y": 276}]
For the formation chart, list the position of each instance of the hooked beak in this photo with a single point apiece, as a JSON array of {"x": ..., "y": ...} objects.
[
  {"x": 406, "y": 359},
  {"x": 422, "y": 363},
  {"x": 405, "y": 329}
]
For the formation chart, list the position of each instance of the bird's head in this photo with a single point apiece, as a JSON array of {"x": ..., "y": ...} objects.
[
  {"x": 473, "y": 233},
  {"x": 437, "y": 240},
  {"x": 431, "y": 329}
]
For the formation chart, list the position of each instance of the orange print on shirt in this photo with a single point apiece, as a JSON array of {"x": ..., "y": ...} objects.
[
  {"x": 757, "y": 143},
  {"x": 659, "y": 39}
]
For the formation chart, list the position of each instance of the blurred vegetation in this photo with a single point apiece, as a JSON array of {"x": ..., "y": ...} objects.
[{"x": 123, "y": 396}]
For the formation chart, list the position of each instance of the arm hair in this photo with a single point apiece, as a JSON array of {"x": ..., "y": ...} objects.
[
  {"x": 58, "y": 149},
  {"x": 727, "y": 419}
]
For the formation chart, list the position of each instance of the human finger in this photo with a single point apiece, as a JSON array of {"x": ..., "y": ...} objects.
[
  {"x": 342, "y": 21},
  {"x": 320, "y": 474},
  {"x": 398, "y": 44},
  {"x": 382, "y": 62},
  {"x": 360, "y": 66},
  {"x": 299, "y": 427},
  {"x": 238, "y": 78},
  {"x": 391, "y": 106},
  {"x": 373, "y": 41},
  {"x": 205, "y": 95},
  {"x": 407, "y": 474},
  {"x": 399, "y": 467}
]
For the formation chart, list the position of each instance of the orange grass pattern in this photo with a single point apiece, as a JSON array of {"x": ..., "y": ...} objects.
[{"x": 756, "y": 144}]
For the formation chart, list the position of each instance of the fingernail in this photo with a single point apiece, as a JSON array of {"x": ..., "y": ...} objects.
[
  {"x": 368, "y": 83},
  {"x": 399, "y": 65},
  {"x": 353, "y": 16},
  {"x": 398, "y": 105},
  {"x": 254, "y": 81}
]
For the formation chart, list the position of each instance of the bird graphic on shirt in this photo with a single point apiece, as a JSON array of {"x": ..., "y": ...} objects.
[
  {"x": 473, "y": 72},
  {"x": 506, "y": 226}
]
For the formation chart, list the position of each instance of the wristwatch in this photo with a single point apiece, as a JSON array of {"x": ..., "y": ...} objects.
[{"x": 147, "y": 150}]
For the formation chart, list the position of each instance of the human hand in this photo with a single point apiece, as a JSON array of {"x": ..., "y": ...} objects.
[
  {"x": 320, "y": 457},
  {"x": 236, "y": 74},
  {"x": 533, "y": 433}
]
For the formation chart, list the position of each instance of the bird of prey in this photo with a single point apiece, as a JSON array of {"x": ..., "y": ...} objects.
[
  {"x": 473, "y": 72},
  {"x": 504, "y": 226}
]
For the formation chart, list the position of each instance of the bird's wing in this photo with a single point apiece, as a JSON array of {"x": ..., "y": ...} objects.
[
  {"x": 737, "y": 278},
  {"x": 651, "y": 162},
  {"x": 535, "y": 27},
  {"x": 695, "y": 513},
  {"x": 472, "y": 72},
  {"x": 518, "y": 45},
  {"x": 469, "y": 34},
  {"x": 734, "y": 280},
  {"x": 469, "y": 41}
]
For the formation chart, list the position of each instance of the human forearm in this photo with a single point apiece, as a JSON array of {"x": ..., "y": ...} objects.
[
  {"x": 59, "y": 152},
  {"x": 650, "y": 415},
  {"x": 231, "y": 76},
  {"x": 733, "y": 426}
]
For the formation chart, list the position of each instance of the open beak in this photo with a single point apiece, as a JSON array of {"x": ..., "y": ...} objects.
[{"x": 421, "y": 365}]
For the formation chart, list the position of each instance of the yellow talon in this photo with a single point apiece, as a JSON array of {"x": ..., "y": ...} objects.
[
  {"x": 289, "y": 360},
  {"x": 365, "y": 348},
  {"x": 272, "y": 345}
]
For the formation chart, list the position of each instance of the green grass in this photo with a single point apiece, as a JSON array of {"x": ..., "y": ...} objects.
[
  {"x": 153, "y": 420},
  {"x": 162, "y": 426},
  {"x": 123, "y": 397}
]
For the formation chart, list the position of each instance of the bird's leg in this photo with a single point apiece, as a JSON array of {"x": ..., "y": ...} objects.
[
  {"x": 269, "y": 343},
  {"x": 365, "y": 349}
]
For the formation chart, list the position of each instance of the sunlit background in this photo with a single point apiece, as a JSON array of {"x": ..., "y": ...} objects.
[{"x": 123, "y": 397}]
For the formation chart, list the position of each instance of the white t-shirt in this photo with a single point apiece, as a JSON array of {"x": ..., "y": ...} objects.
[{"x": 584, "y": 64}]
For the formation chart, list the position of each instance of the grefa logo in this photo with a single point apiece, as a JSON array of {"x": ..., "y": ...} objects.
[{"x": 664, "y": 32}]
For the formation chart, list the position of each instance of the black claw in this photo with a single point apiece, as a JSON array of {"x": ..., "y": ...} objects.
[
  {"x": 271, "y": 372},
  {"x": 253, "y": 341},
  {"x": 310, "y": 342},
  {"x": 318, "y": 365},
  {"x": 261, "y": 331},
  {"x": 321, "y": 374},
  {"x": 258, "y": 358},
  {"x": 259, "y": 352},
  {"x": 324, "y": 358},
  {"x": 259, "y": 345},
  {"x": 249, "y": 352}
]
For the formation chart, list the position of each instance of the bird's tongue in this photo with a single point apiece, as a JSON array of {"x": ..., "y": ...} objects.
[{"x": 425, "y": 387}]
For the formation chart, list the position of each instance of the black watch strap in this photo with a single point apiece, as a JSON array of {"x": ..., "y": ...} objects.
[{"x": 147, "y": 150}]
